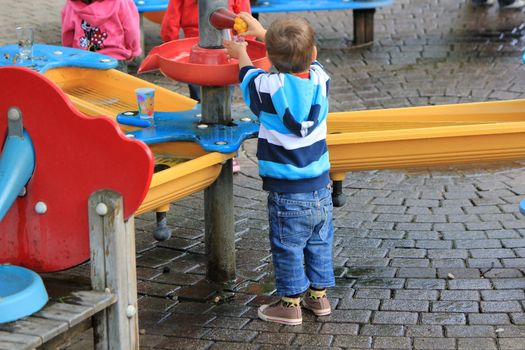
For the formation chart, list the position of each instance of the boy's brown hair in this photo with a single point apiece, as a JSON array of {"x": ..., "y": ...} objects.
[{"x": 290, "y": 44}]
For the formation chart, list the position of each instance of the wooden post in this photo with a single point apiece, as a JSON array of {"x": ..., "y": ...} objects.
[
  {"x": 363, "y": 26},
  {"x": 113, "y": 267}
]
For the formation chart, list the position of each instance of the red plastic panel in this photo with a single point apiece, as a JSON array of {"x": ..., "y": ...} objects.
[
  {"x": 75, "y": 156},
  {"x": 173, "y": 60}
]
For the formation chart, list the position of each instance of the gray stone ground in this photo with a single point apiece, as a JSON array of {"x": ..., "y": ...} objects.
[{"x": 425, "y": 259}]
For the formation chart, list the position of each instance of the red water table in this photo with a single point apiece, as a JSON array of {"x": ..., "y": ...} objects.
[
  {"x": 46, "y": 229},
  {"x": 184, "y": 60}
]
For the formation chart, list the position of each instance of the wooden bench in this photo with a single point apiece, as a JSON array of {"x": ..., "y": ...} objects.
[{"x": 113, "y": 315}]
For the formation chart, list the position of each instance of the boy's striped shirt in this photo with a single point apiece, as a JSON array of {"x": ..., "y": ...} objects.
[{"x": 292, "y": 151}]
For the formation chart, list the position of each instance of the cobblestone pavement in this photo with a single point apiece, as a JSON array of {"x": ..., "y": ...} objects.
[{"x": 425, "y": 259}]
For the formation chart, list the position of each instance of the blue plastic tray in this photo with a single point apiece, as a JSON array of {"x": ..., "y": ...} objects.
[
  {"x": 22, "y": 293},
  {"x": 187, "y": 126},
  {"x": 46, "y": 57}
]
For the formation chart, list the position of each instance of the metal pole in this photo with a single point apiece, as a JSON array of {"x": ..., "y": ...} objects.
[{"x": 218, "y": 198}]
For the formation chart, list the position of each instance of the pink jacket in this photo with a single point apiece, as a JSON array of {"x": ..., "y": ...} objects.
[{"x": 110, "y": 27}]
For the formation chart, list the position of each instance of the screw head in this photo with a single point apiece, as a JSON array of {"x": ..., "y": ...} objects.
[
  {"x": 40, "y": 208},
  {"x": 101, "y": 209}
]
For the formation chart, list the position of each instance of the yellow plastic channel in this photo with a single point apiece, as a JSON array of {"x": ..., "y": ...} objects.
[
  {"x": 183, "y": 179},
  {"x": 428, "y": 136},
  {"x": 109, "y": 92}
]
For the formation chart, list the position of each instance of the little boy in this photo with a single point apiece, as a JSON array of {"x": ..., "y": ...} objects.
[{"x": 292, "y": 106}]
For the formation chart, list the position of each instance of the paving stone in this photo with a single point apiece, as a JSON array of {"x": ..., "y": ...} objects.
[
  {"x": 404, "y": 305},
  {"x": 509, "y": 283},
  {"x": 388, "y": 317},
  {"x": 454, "y": 306},
  {"x": 442, "y": 318},
  {"x": 425, "y": 283},
  {"x": 470, "y": 331},
  {"x": 511, "y": 343},
  {"x": 310, "y": 340},
  {"x": 352, "y": 342},
  {"x": 382, "y": 330},
  {"x": 500, "y": 306},
  {"x": 416, "y": 272},
  {"x": 458, "y": 273},
  {"x": 472, "y": 295},
  {"x": 470, "y": 284},
  {"x": 392, "y": 343},
  {"x": 409, "y": 262},
  {"x": 358, "y": 304},
  {"x": 434, "y": 343},
  {"x": 448, "y": 263},
  {"x": 477, "y": 343},
  {"x": 416, "y": 294},
  {"x": 488, "y": 319},
  {"x": 352, "y": 316},
  {"x": 373, "y": 293},
  {"x": 424, "y": 331},
  {"x": 339, "y": 328},
  {"x": 273, "y": 338}
]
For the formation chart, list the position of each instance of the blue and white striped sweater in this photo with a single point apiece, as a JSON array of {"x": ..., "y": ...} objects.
[{"x": 292, "y": 151}]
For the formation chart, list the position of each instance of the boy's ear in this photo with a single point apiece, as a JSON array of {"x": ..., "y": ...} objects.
[{"x": 314, "y": 53}]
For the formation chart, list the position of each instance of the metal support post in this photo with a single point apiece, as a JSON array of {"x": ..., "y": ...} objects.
[{"x": 218, "y": 198}]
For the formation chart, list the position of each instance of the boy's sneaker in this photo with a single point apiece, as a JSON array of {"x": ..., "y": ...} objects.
[
  {"x": 319, "y": 305},
  {"x": 517, "y": 4},
  {"x": 282, "y": 312}
]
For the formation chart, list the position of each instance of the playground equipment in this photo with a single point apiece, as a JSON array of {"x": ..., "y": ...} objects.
[
  {"x": 69, "y": 209},
  {"x": 424, "y": 136},
  {"x": 108, "y": 92}
]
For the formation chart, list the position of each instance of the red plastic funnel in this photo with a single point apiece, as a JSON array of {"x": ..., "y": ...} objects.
[
  {"x": 173, "y": 60},
  {"x": 222, "y": 18}
]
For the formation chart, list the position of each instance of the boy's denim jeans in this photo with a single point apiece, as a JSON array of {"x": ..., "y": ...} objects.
[{"x": 301, "y": 236}]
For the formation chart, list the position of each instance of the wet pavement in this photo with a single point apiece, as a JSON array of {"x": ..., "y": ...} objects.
[{"x": 424, "y": 258}]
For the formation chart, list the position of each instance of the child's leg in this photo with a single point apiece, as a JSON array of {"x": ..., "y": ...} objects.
[
  {"x": 290, "y": 228},
  {"x": 318, "y": 258},
  {"x": 318, "y": 250}
]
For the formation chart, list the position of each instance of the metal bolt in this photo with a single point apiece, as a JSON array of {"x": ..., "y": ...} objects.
[
  {"x": 131, "y": 136},
  {"x": 23, "y": 192},
  {"x": 221, "y": 143},
  {"x": 198, "y": 115},
  {"x": 40, "y": 208},
  {"x": 13, "y": 114},
  {"x": 57, "y": 53},
  {"x": 246, "y": 119},
  {"x": 131, "y": 311},
  {"x": 105, "y": 60},
  {"x": 202, "y": 126},
  {"x": 101, "y": 209}
]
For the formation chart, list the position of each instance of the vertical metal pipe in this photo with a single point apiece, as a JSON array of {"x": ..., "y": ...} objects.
[{"x": 218, "y": 198}]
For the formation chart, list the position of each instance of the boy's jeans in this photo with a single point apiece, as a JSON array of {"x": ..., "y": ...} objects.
[{"x": 301, "y": 232}]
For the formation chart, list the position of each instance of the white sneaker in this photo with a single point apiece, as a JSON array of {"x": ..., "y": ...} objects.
[
  {"x": 517, "y": 4},
  {"x": 483, "y": 2}
]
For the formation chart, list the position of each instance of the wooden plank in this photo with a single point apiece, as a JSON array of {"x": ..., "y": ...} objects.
[
  {"x": 46, "y": 329},
  {"x": 113, "y": 267},
  {"x": 19, "y": 341},
  {"x": 363, "y": 26},
  {"x": 97, "y": 300},
  {"x": 72, "y": 314}
]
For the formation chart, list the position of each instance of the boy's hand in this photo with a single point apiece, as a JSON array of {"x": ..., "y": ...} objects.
[
  {"x": 238, "y": 50},
  {"x": 235, "y": 48},
  {"x": 254, "y": 27}
]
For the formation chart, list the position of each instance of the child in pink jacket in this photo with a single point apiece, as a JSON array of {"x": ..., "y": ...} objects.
[{"x": 109, "y": 27}]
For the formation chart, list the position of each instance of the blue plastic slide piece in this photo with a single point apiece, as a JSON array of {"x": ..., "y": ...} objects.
[
  {"x": 22, "y": 293},
  {"x": 17, "y": 163}
]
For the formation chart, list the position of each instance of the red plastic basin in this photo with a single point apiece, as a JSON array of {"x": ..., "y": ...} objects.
[{"x": 173, "y": 60}]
